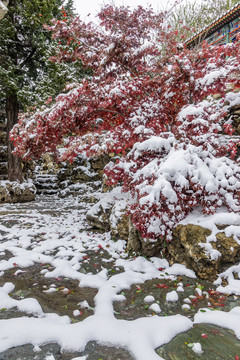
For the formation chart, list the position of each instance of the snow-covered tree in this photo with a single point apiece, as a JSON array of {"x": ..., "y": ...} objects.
[
  {"x": 148, "y": 100},
  {"x": 24, "y": 50}
]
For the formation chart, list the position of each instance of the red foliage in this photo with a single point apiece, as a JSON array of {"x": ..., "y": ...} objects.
[{"x": 143, "y": 85}]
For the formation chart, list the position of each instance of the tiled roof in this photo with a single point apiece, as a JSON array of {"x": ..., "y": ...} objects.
[{"x": 215, "y": 26}]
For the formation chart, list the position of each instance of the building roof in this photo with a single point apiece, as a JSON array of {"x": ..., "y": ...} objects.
[{"x": 214, "y": 26}]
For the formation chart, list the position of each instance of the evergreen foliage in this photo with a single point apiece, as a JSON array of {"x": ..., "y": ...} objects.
[{"x": 25, "y": 47}]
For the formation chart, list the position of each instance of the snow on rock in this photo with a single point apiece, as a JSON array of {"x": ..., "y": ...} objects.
[
  {"x": 155, "y": 307},
  {"x": 13, "y": 191},
  {"x": 197, "y": 348},
  {"x": 149, "y": 299},
  {"x": 172, "y": 296},
  {"x": 229, "y": 320},
  {"x": 179, "y": 269},
  {"x": 233, "y": 285}
]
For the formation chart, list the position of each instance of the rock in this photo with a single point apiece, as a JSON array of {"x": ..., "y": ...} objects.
[
  {"x": 100, "y": 162},
  {"x": 110, "y": 214},
  {"x": 99, "y": 219},
  {"x": 3, "y": 138},
  {"x": 99, "y": 215},
  {"x": 137, "y": 243},
  {"x": 228, "y": 247},
  {"x": 121, "y": 228},
  {"x": 234, "y": 108},
  {"x": 237, "y": 112},
  {"x": 216, "y": 96},
  {"x": 15, "y": 192},
  {"x": 134, "y": 239},
  {"x": 3, "y": 167},
  {"x": 3, "y": 153},
  {"x": 185, "y": 249}
]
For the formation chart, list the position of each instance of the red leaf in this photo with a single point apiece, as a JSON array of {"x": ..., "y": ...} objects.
[{"x": 162, "y": 286}]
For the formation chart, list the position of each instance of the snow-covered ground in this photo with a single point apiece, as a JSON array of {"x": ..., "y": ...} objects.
[{"x": 53, "y": 231}]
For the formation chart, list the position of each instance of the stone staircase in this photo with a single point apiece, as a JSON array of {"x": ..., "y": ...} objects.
[
  {"x": 46, "y": 184},
  {"x": 3, "y": 152}
]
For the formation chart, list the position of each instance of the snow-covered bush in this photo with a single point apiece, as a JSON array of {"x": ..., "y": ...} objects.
[{"x": 167, "y": 179}]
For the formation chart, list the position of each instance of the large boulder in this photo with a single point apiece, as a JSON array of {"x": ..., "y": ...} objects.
[
  {"x": 144, "y": 246},
  {"x": 110, "y": 214},
  {"x": 13, "y": 191},
  {"x": 189, "y": 245},
  {"x": 107, "y": 212}
]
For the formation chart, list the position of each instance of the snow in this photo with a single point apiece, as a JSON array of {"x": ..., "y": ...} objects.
[
  {"x": 155, "y": 307},
  {"x": 197, "y": 348},
  {"x": 149, "y": 299},
  {"x": 172, "y": 296},
  {"x": 63, "y": 242},
  {"x": 229, "y": 320},
  {"x": 233, "y": 285},
  {"x": 230, "y": 220}
]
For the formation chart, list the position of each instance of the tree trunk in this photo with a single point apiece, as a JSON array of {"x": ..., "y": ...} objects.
[{"x": 14, "y": 163}]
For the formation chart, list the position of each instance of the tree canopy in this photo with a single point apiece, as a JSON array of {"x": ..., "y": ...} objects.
[
  {"x": 149, "y": 100},
  {"x": 26, "y": 75}
]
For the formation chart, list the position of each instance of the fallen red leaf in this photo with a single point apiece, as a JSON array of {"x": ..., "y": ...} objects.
[{"x": 162, "y": 286}]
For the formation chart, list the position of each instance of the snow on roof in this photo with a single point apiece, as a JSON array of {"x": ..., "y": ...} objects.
[{"x": 214, "y": 26}]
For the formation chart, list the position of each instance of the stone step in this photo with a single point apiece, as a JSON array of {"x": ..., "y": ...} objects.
[
  {"x": 45, "y": 185},
  {"x": 47, "y": 191},
  {"x": 45, "y": 176}
]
